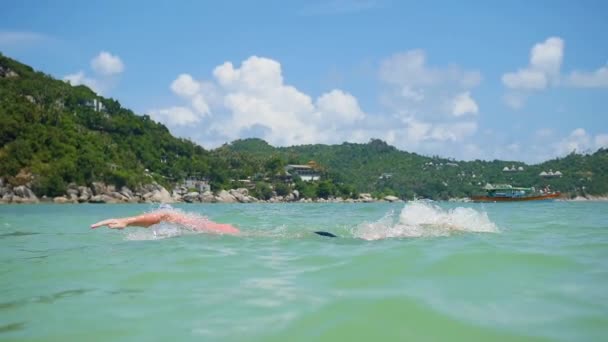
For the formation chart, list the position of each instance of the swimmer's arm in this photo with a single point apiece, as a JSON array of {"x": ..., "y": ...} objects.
[{"x": 145, "y": 220}]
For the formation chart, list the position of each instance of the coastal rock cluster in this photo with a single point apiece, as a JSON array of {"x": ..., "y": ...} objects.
[{"x": 100, "y": 192}]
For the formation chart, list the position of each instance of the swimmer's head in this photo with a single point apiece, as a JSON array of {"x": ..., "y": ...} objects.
[{"x": 165, "y": 206}]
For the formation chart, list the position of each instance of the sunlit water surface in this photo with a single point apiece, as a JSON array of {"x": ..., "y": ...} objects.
[{"x": 416, "y": 271}]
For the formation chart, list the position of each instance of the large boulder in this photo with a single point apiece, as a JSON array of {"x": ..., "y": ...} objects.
[
  {"x": 241, "y": 195},
  {"x": 118, "y": 196},
  {"x": 126, "y": 192},
  {"x": 85, "y": 193},
  {"x": 207, "y": 197},
  {"x": 23, "y": 194},
  {"x": 225, "y": 197},
  {"x": 180, "y": 190},
  {"x": 191, "y": 197},
  {"x": 159, "y": 196},
  {"x": 365, "y": 197},
  {"x": 103, "y": 199},
  {"x": 391, "y": 198},
  {"x": 99, "y": 188},
  {"x": 61, "y": 200}
]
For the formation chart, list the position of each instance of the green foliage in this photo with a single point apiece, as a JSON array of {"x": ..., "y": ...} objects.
[
  {"x": 51, "y": 130},
  {"x": 262, "y": 191},
  {"x": 282, "y": 189}
]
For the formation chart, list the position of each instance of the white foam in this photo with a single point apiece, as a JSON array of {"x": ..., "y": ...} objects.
[
  {"x": 423, "y": 219},
  {"x": 159, "y": 231}
]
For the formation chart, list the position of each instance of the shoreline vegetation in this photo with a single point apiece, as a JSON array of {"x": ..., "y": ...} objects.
[
  {"x": 101, "y": 193},
  {"x": 66, "y": 144}
]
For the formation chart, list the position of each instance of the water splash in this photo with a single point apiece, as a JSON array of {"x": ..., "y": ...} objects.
[
  {"x": 423, "y": 219},
  {"x": 165, "y": 230}
]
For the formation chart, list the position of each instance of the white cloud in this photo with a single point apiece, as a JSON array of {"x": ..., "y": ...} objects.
[
  {"x": 454, "y": 132},
  {"x": 15, "y": 38},
  {"x": 528, "y": 79},
  {"x": 185, "y": 86},
  {"x": 338, "y": 106},
  {"x": 545, "y": 63},
  {"x": 547, "y": 56},
  {"x": 175, "y": 116},
  {"x": 544, "y": 70},
  {"x": 411, "y": 94},
  {"x": 431, "y": 102},
  {"x": 583, "y": 79},
  {"x": 601, "y": 141},
  {"x": 578, "y": 141},
  {"x": 80, "y": 78},
  {"x": 253, "y": 100},
  {"x": 107, "y": 64},
  {"x": 464, "y": 104},
  {"x": 409, "y": 69}
]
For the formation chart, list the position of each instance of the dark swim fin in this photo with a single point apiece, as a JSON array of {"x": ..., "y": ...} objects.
[{"x": 327, "y": 234}]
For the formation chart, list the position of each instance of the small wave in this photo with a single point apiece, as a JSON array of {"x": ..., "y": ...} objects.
[{"x": 423, "y": 219}]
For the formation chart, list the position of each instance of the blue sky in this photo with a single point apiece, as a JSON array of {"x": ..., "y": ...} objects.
[{"x": 515, "y": 80}]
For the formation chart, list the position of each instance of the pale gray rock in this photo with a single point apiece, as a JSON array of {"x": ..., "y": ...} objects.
[
  {"x": 103, "y": 198},
  {"x": 160, "y": 196},
  {"x": 391, "y": 198},
  {"x": 191, "y": 197},
  {"x": 225, "y": 197},
  {"x": 60, "y": 200},
  {"x": 207, "y": 197},
  {"x": 99, "y": 188},
  {"x": 125, "y": 191}
]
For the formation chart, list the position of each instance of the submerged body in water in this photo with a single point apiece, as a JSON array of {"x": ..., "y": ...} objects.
[
  {"x": 417, "y": 219},
  {"x": 146, "y": 220}
]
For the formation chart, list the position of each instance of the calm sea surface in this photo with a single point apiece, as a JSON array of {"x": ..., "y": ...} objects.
[{"x": 416, "y": 272}]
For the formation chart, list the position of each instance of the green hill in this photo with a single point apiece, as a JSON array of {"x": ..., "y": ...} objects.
[{"x": 53, "y": 134}]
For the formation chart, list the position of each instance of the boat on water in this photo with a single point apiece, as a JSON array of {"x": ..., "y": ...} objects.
[{"x": 508, "y": 193}]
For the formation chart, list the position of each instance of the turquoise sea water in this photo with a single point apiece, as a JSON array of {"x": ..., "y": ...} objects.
[{"x": 416, "y": 271}]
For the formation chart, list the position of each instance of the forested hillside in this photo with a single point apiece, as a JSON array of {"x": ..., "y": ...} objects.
[{"x": 53, "y": 134}]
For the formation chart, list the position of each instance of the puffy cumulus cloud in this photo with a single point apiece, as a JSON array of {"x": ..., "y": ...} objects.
[
  {"x": 175, "y": 116},
  {"x": 340, "y": 107},
  {"x": 545, "y": 63},
  {"x": 253, "y": 100},
  {"x": 464, "y": 104},
  {"x": 107, "y": 64},
  {"x": 594, "y": 79},
  {"x": 544, "y": 70},
  {"x": 185, "y": 86},
  {"x": 547, "y": 56},
  {"x": 80, "y": 78},
  {"x": 255, "y": 74}
]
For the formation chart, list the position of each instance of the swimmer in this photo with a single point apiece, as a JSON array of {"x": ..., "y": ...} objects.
[{"x": 155, "y": 217}]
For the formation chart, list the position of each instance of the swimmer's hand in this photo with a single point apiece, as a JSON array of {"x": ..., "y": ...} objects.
[{"x": 111, "y": 223}]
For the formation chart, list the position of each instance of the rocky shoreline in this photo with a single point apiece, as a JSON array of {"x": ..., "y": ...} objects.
[{"x": 100, "y": 192}]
